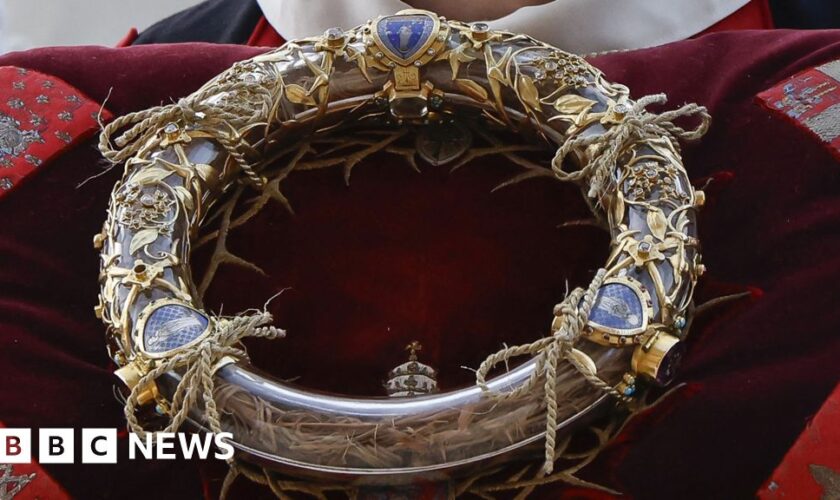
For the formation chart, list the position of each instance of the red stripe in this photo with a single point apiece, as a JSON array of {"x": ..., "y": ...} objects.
[{"x": 264, "y": 35}]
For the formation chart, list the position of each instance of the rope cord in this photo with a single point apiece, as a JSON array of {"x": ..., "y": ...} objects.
[
  {"x": 639, "y": 124},
  {"x": 222, "y": 109},
  {"x": 198, "y": 363}
]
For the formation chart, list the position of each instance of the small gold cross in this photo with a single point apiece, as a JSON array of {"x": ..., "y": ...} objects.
[{"x": 413, "y": 348}]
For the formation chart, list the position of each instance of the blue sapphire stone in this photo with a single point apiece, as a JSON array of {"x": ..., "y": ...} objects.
[
  {"x": 617, "y": 306},
  {"x": 404, "y": 36},
  {"x": 172, "y": 326}
]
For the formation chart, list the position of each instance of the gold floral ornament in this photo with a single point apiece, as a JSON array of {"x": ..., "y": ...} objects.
[
  {"x": 332, "y": 100},
  {"x": 645, "y": 250}
]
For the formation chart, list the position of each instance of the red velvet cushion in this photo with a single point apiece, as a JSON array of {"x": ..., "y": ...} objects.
[{"x": 400, "y": 255}]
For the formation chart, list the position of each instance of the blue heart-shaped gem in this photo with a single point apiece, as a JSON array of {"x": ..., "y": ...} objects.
[
  {"x": 171, "y": 326},
  {"x": 405, "y": 35},
  {"x": 617, "y": 306}
]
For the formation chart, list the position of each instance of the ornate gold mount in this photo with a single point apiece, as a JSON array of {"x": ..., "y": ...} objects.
[{"x": 402, "y": 44}]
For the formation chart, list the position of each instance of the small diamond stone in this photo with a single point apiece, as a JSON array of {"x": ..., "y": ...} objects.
[
  {"x": 147, "y": 200},
  {"x": 539, "y": 74},
  {"x": 334, "y": 33},
  {"x": 551, "y": 66},
  {"x": 479, "y": 27},
  {"x": 644, "y": 247},
  {"x": 431, "y": 52},
  {"x": 170, "y": 128},
  {"x": 621, "y": 108}
]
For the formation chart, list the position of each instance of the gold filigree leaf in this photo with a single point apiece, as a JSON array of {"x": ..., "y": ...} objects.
[
  {"x": 676, "y": 261},
  {"x": 618, "y": 207},
  {"x": 584, "y": 361},
  {"x": 682, "y": 222},
  {"x": 528, "y": 92},
  {"x": 298, "y": 95},
  {"x": 185, "y": 196},
  {"x": 151, "y": 175},
  {"x": 358, "y": 57},
  {"x": 141, "y": 239},
  {"x": 573, "y": 105},
  {"x": 458, "y": 56},
  {"x": 205, "y": 171},
  {"x": 657, "y": 223},
  {"x": 472, "y": 89},
  {"x": 321, "y": 74},
  {"x": 496, "y": 69},
  {"x": 108, "y": 291}
]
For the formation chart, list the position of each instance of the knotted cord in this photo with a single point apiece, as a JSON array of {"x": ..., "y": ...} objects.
[
  {"x": 548, "y": 351},
  {"x": 242, "y": 105},
  {"x": 198, "y": 363},
  {"x": 575, "y": 308},
  {"x": 637, "y": 125}
]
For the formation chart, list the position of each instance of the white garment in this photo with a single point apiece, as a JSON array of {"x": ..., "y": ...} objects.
[{"x": 580, "y": 26}]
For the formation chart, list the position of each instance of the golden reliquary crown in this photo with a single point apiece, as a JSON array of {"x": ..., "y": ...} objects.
[{"x": 406, "y": 72}]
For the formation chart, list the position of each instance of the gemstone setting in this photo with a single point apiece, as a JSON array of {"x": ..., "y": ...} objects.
[
  {"x": 406, "y": 37},
  {"x": 170, "y": 326},
  {"x": 621, "y": 310}
]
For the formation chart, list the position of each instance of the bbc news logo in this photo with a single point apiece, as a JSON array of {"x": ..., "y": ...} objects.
[{"x": 100, "y": 446}]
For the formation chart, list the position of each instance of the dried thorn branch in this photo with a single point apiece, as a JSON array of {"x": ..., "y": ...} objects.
[
  {"x": 718, "y": 301},
  {"x": 221, "y": 255},
  {"x": 355, "y": 158},
  {"x": 581, "y": 222},
  {"x": 529, "y": 174},
  {"x": 503, "y": 149},
  {"x": 408, "y": 154},
  {"x": 271, "y": 191}
]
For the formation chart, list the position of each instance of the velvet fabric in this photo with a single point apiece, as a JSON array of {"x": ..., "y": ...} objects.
[{"x": 434, "y": 256}]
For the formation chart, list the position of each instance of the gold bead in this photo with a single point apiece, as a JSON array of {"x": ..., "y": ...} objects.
[
  {"x": 98, "y": 241},
  {"x": 699, "y": 198},
  {"x": 130, "y": 376}
]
